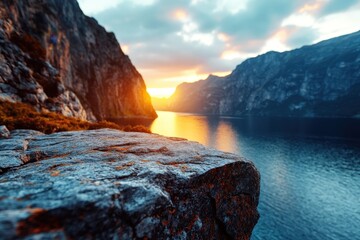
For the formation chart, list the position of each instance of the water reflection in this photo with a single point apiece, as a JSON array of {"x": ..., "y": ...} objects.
[
  {"x": 310, "y": 169},
  {"x": 210, "y": 131}
]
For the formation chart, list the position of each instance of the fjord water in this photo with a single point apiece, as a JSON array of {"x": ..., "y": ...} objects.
[{"x": 310, "y": 169}]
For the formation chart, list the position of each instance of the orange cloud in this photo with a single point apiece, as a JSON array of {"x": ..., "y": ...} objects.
[
  {"x": 311, "y": 7},
  {"x": 223, "y": 37},
  {"x": 180, "y": 14},
  {"x": 282, "y": 35},
  {"x": 230, "y": 54}
]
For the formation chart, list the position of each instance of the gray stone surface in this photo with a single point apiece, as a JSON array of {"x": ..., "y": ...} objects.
[
  {"x": 4, "y": 132},
  {"x": 107, "y": 184}
]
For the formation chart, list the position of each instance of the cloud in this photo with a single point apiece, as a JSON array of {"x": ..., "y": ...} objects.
[
  {"x": 172, "y": 51},
  {"x": 92, "y": 7},
  {"x": 258, "y": 20},
  {"x": 166, "y": 39},
  {"x": 89, "y": 7},
  {"x": 175, "y": 55},
  {"x": 334, "y": 6},
  {"x": 135, "y": 23},
  {"x": 300, "y": 36},
  {"x": 249, "y": 27},
  {"x": 337, "y": 24}
]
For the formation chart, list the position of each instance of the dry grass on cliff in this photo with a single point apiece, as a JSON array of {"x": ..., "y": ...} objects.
[{"x": 24, "y": 116}]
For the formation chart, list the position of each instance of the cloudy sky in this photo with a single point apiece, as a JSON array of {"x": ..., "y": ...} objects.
[{"x": 172, "y": 41}]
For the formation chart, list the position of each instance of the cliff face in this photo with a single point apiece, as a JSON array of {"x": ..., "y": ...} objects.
[
  {"x": 107, "y": 184},
  {"x": 318, "y": 80},
  {"x": 56, "y": 58},
  {"x": 202, "y": 96}
]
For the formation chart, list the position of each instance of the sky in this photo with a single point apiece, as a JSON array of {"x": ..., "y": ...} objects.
[{"x": 175, "y": 41}]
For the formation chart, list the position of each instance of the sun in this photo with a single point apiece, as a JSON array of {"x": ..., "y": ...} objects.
[{"x": 160, "y": 92}]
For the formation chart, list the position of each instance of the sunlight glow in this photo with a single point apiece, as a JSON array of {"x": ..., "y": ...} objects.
[
  {"x": 225, "y": 137},
  {"x": 160, "y": 92},
  {"x": 192, "y": 76},
  {"x": 180, "y": 14},
  {"x": 175, "y": 79},
  {"x": 230, "y": 55},
  {"x": 125, "y": 48},
  {"x": 276, "y": 42},
  {"x": 186, "y": 78},
  {"x": 223, "y": 37},
  {"x": 175, "y": 124},
  {"x": 220, "y": 134},
  {"x": 281, "y": 35}
]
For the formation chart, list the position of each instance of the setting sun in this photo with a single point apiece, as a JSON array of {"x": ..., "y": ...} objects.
[{"x": 161, "y": 92}]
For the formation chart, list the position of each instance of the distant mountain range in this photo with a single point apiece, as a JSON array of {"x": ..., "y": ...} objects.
[{"x": 321, "y": 80}]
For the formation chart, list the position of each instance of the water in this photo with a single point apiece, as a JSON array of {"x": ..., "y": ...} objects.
[{"x": 310, "y": 169}]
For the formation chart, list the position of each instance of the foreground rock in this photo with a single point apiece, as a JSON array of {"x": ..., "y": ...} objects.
[
  {"x": 107, "y": 184},
  {"x": 4, "y": 132}
]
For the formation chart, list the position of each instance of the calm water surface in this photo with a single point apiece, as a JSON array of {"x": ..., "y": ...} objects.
[{"x": 310, "y": 169}]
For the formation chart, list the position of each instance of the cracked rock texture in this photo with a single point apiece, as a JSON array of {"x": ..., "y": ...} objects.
[
  {"x": 55, "y": 58},
  {"x": 321, "y": 80},
  {"x": 108, "y": 184}
]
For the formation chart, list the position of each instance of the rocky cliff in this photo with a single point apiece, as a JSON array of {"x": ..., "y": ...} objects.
[
  {"x": 56, "y": 58},
  {"x": 107, "y": 184},
  {"x": 318, "y": 80}
]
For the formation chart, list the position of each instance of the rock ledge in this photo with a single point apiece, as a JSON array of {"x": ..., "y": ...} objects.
[{"x": 107, "y": 184}]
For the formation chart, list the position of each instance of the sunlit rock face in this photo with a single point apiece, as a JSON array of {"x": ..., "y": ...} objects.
[
  {"x": 107, "y": 184},
  {"x": 318, "y": 80},
  {"x": 54, "y": 57}
]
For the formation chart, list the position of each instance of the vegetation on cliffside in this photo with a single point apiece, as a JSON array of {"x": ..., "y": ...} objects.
[{"x": 24, "y": 116}]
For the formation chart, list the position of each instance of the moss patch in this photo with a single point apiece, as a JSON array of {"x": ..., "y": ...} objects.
[{"x": 24, "y": 116}]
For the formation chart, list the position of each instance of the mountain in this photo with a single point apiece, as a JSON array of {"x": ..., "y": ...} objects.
[
  {"x": 56, "y": 58},
  {"x": 321, "y": 80}
]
